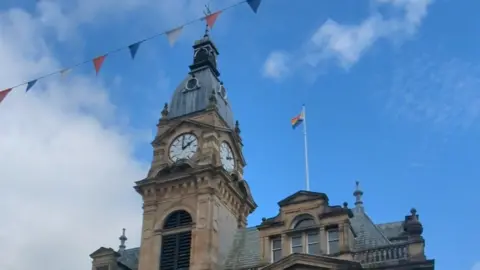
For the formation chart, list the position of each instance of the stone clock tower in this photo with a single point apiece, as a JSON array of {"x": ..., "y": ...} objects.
[{"x": 195, "y": 182}]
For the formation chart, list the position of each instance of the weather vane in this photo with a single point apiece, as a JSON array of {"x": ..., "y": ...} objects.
[{"x": 207, "y": 12}]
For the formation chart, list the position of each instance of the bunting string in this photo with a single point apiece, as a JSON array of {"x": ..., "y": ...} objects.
[{"x": 172, "y": 36}]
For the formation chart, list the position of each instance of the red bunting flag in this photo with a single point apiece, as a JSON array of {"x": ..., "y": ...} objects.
[
  {"x": 98, "y": 62},
  {"x": 212, "y": 18},
  {"x": 4, "y": 93}
]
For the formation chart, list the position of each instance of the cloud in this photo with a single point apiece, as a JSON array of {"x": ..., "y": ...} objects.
[
  {"x": 443, "y": 94},
  {"x": 345, "y": 44},
  {"x": 65, "y": 16},
  {"x": 476, "y": 266},
  {"x": 276, "y": 65},
  {"x": 66, "y": 168}
]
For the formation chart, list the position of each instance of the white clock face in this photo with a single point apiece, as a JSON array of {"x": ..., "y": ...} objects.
[
  {"x": 226, "y": 157},
  {"x": 183, "y": 147}
]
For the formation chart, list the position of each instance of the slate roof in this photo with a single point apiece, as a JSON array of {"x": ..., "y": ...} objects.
[
  {"x": 129, "y": 258},
  {"x": 245, "y": 251},
  {"x": 368, "y": 234}
]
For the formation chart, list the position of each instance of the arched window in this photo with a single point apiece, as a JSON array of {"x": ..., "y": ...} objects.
[
  {"x": 176, "y": 241},
  {"x": 307, "y": 239}
]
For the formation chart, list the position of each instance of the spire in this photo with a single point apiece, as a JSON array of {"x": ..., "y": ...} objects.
[
  {"x": 123, "y": 239},
  {"x": 358, "y": 195}
]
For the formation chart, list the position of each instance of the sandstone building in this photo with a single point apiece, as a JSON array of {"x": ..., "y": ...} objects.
[{"x": 196, "y": 202}]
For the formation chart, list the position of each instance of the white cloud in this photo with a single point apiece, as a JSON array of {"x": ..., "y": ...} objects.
[
  {"x": 276, "y": 65},
  {"x": 66, "y": 169},
  {"x": 345, "y": 44},
  {"x": 476, "y": 266}
]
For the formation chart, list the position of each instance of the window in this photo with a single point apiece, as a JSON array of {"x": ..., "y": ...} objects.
[
  {"x": 297, "y": 244},
  {"x": 313, "y": 243},
  {"x": 333, "y": 241},
  {"x": 175, "y": 252},
  {"x": 276, "y": 249},
  {"x": 305, "y": 241}
]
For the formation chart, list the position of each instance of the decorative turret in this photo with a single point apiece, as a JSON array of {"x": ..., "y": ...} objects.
[
  {"x": 123, "y": 239},
  {"x": 358, "y": 195}
]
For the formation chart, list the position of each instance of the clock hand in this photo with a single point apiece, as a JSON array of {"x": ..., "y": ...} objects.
[
  {"x": 229, "y": 158},
  {"x": 188, "y": 144},
  {"x": 183, "y": 142}
]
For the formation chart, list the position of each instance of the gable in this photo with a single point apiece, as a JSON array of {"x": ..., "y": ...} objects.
[
  {"x": 103, "y": 251},
  {"x": 303, "y": 196}
]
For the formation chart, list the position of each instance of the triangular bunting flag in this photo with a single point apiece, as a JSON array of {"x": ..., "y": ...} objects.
[
  {"x": 4, "y": 93},
  {"x": 212, "y": 18},
  {"x": 98, "y": 62},
  {"x": 134, "y": 48},
  {"x": 64, "y": 72},
  {"x": 254, "y": 4},
  {"x": 173, "y": 35},
  {"x": 30, "y": 85}
]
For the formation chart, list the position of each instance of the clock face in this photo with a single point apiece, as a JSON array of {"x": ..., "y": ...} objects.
[
  {"x": 183, "y": 147},
  {"x": 226, "y": 157}
]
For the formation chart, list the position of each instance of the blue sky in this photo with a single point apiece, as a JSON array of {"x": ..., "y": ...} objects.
[{"x": 391, "y": 89}]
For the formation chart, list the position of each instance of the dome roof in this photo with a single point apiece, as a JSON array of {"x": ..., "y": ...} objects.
[{"x": 193, "y": 94}]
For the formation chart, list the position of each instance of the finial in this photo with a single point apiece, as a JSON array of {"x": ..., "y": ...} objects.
[
  {"x": 237, "y": 127},
  {"x": 165, "y": 110},
  {"x": 206, "y": 12},
  {"x": 358, "y": 195},
  {"x": 264, "y": 219},
  {"x": 123, "y": 239},
  {"x": 412, "y": 225},
  {"x": 345, "y": 205},
  {"x": 413, "y": 211}
]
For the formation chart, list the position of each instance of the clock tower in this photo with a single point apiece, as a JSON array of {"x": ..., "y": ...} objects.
[{"x": 195, "y": 182}]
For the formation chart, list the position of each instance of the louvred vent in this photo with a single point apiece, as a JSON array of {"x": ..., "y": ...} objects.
[
  {"x": 177, "y": 219},
  {"x": 175, "y": 253}
]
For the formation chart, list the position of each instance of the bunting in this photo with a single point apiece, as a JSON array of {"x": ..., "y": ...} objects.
[
  {"x": 134, "y": 48},
  {"x": 4, "y": 94},
  {"x": 172, "y": 36},
  {"x": 98, "y": 62},
  {"x": 254, "y": 4},
  {"x": 212, "y": 18},
  {"x": 30, "y": 85}
]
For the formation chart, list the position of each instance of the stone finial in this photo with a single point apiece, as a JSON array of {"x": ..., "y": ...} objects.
[
  {"x": 264, "y": 219},
  {"x": 237, "y": 127},
  {"x": 345, "y": 205},
  {"x": 165, "y": 110},
  {"x": 123, "y": 239},
  {"x": 413, "y": 226},
  {"x": 358, "y": 195}
]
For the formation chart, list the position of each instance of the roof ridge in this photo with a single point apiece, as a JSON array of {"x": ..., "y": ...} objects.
[{"x": 376, "y": 228}]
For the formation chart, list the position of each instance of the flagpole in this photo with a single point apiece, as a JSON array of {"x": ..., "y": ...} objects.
[{"x": 307, "y": 180}]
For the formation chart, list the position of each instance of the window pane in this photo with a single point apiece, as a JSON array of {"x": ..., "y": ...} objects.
[
  {"x": 296, "y": 240},
  {"x": 298, "y": 249},
  {"x": 305, "y": 223},
  {"x": 277, "y": 255},
  {"x": 332, "y": 235},
  {"x": 314, "y": 249},
  {"x": 277, "y": 243},
  {"x": 333, "y": 247},
  {"x": 313, "y": 237}
]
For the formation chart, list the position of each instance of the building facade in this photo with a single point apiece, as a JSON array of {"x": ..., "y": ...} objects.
[{"x": 196, "y": 202}]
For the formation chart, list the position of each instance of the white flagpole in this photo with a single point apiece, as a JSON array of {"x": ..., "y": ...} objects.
[{"x": 307, "y": 180}]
